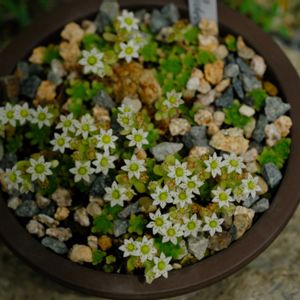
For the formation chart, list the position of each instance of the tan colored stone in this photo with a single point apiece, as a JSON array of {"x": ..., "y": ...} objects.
[
  {"x": 88, "y": 27},
  {"x": 62, "y": 197},
  {"x": 60, "y": 233},
  {"x": 243, "y": 50},
  {"x": 208, "y": 27},
  {"x": 198, "y": 152},
  {"x": 219, "y": 117},
  {"x": 258, "y": 65},
  {"x": 249, "y": 128},
  {"x": 230, "y": 140},
  {"x": 203, "y": 117},
  {"x": 214, "y": 72},
  {"x": 208, "y": 42},
  {"x": 62, "y": 213},
  {"x": 283, "y": 125},
  {"x": 93, "y": 242},
  {"x": 272, "y": 134},
  {"x": 179, "y": 126},
  {"x": 46, "y": 93},
  {"x": 213, "y": 128},
  {"x": 207, "y": 99},
  {"x": 81, "y": 217},
  {"x": 101, "y": 116},
  {"x": 35, "y": 228},
  {"x": 70, "y": 52},
  {"x": 263, "y": 186},
  {"x": 223, "y": 85},
  {"x": 242, "y": 220},
  {"x": 37, "y": 56},
  {"x": 221, "y": 52},
  {"x": 105, "y": 242},
  {"x": 81, "y": 254},
  {"x": 72, "y": 33},
  {"x": 94, "y": 209}
]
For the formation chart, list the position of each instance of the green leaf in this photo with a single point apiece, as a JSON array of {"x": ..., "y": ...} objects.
[
  {"x": 231, "y": 43},
  {"x": 172, "y": 65},
  {"x": 169, "y": 249},
  {"x": 191, "y": 35},
  {"x": 98, "y": 257},
  {"x": 137, "y": 224},
  {"x": 206, "y": 57},
  {"x": 149, "y": 52},
  {"x": 102, "y": 224},
  {"x": 51, "y": 53},
  {"x": 259, "y": 97},
  {"x": 234, "y": 117},
  {"x": 131, "y": 263}
]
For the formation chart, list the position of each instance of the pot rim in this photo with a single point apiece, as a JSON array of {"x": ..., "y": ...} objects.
[{"x": 209, "y": 270}]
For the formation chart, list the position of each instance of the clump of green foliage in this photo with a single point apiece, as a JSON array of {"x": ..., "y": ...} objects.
[
  {"x": 277, "y": 154},
  {"x": 258, "y": 97},
  {"x": 234, "y": 117},
  {"x": 137, "y": 224}
]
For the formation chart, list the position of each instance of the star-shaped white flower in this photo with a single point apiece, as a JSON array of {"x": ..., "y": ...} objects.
[
  {"x": 129, "y": 248},
  {"x": 106, "y": 139},
  {"x": 173, "y": 100},
  {"x": 146, "y": 249},
  {"x": 104, "y": 162},
  {"x": 126, "y": 120},
  {"x": 8, "y": 115},
  {"x": 82, "y": 171},
  {"x": 116, "y": 194},
  {"x": 39, "y": 169},
  {"x": 192, "y": 184},
  {"x": 129, "y": 51},
  {"x": 162, "y": 196},
  {"x": 182, "y": 198},
  {"x": 171, "y": 233},
  {"x": 13, "y": 178},
  {"x": 213, "y": 224},
  {"x": 179, "y": 172},
  {"x": 23, "y": 113},
  {"x": 250, "y": 186},
  {"x": 67, "y": 123},
  {"x": 191, "y": 226},
  {"x": 222, "y": 197},
  {"x": 60, "y": 142},
  {"x": 162, "y": 266},
  {"x": 126, "y": 109},
  {"x": 137, "y": 138},
  {"x": 134, "y": 167},
  {"x": 92, "y": 62},
  {"x": 128, "y": 21},
  {"x": 85, "y": 126},
  {"x": 214, "y": 165},
  {"x": 158, "y": 222},
  {"x": 233, "y": 163},
  {"x": 42, "y": 117},
  {"x": 140, "y": 38}
]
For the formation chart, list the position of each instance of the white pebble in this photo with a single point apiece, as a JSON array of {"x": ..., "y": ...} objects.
[{"x": 246, "y": 110}]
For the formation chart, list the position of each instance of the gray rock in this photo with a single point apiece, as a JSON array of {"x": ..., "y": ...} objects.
[
  {"x": 238, "y": 88},
  {"x": 54, "y": 78},
  {"x": 36, "y": 70},
  {"x": 111, "y": 8},
  {"x": 162, "y": 150},
  {"x": 244, "y": 67},
  {"x": 27, "y": 209},
  {"x": 275, "y": 108},
  {"x": 220, "y": 241},
  {"x": 49, "y": 210},
  {"x": 29, "y": 86},
  {"x": 250, "y": 82},
  {"x": 9, "y": 87},
  {"x": 259, "y": 131},
  {"x": 226, "y": 99},
  {"x": 23, "y": 70},
  {"x": 171, "y": 13},
  {"x": 197, "y": 246},
  {"x": 232, "y": 70},
  {"x": 120, "y": 227},
  {"x": 128, "y": 210},
  {"x": 196, "y": 137},
  {"x": 271, "y": 174},
  {"x": 55, "y": 245},
  {"x": 100, "y": 183},
  {"x": 157, "y": 21},
  {"x": 104, "y": 100},
  {"x": 261, "y": 205},
  {"x": 102, "y": 20},
  {"x": 250, "y": 201}
]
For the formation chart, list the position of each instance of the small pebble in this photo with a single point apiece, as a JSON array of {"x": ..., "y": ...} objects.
[
  {"x": 196, "y": 137},
  {"x": 238, "y": 88},
  {"x": 29, "y": 86},
  {"x": 93, "y": 242},
  {"x": 275, "y": 108},
  {"x": 36, "y": 228},
  {"x": 162, "y": 150},
  {"x": 14, "y": 202},
  {"x": 46, "y": 220},
  {"x": 81, "y": 254},
  {"x": 62, "y": 213},
  {"x": 42, "y": 202},
  {"x": 179, "y": 126},
  {"x": 226, "y": 99},
  {"x": 27, "y": 209},
  {"x": 130, "y": 209},
  {"x": 232, "y": 70},
  {"x": 81, "y": 217},
  {"x": 272, "y": 174},
  {"x": 250, "y": 83},
  {"x": 259, "y": 131},
  {"x": 120, "y": 227},
  {"x": 103, "y": 99},
  {"x": 60, "y": 233},
  {"x": 247, "y": 111},
  {"x": 261, "y": 206},
  {"x": 197, "y": 246},
  {"x": 55, "y": 245},
  {"x": 258, "y": 65},
  {"x": 62, "y": 197}
]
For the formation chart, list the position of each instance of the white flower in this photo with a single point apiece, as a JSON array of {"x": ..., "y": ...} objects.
[
  {"x": 8, "y": 115},
  {"x": 171, "y": 232},
  {"x": 129, "y": 248},
  {"x": 126, "y": 120},
  {"x": 129, "y": 51},
  {"x": 214, "y": 165},
  {"x": 191, "y": 226},
  {"x": 82, "y": 171},
  {"x": 67, "y": 123},
  {"x": 192, "y": 184},
  {"x": 137, "y": 138},
  {"x": 222, "y": 197},
  {"x": 213, "y": 224},
  {"x": 26, "y": 186},
  {"x": 85, "y": 126},
  {"x": 179, "y": 172},
  {"x": 158, "y": 222},
  {"x": 126, "y": 109},
  {"x": 250, "y": 186},
  {"x": 162, "y": 266},
  {"x": 13, "y": 178},
  {"x": 183, "y": 197},
  {"x": 92, "y": 62},
  {"x": 39, "y": 169},
  {"x": 146, "y": 249},
  {"x": 140, "y": 39},
  {"x": 23, "y": 113},
  {"x": 233, "y": 163},
  {"x": 173, "y": 99},
  {"x": 104, "y": 162},
  {"x": 42, "y": 117},
  {"x": 134, "y": 167},
  {"x": 106, "y": 139},
  {"x": 116, "y": 194},
  {"x": 60, "y": 142},
  {"x": 128, "y": 21},
  {"x": 162, "y": 196}
]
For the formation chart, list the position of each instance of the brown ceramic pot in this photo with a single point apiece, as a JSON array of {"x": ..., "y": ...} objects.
[{"x": 211, "y": 269}]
